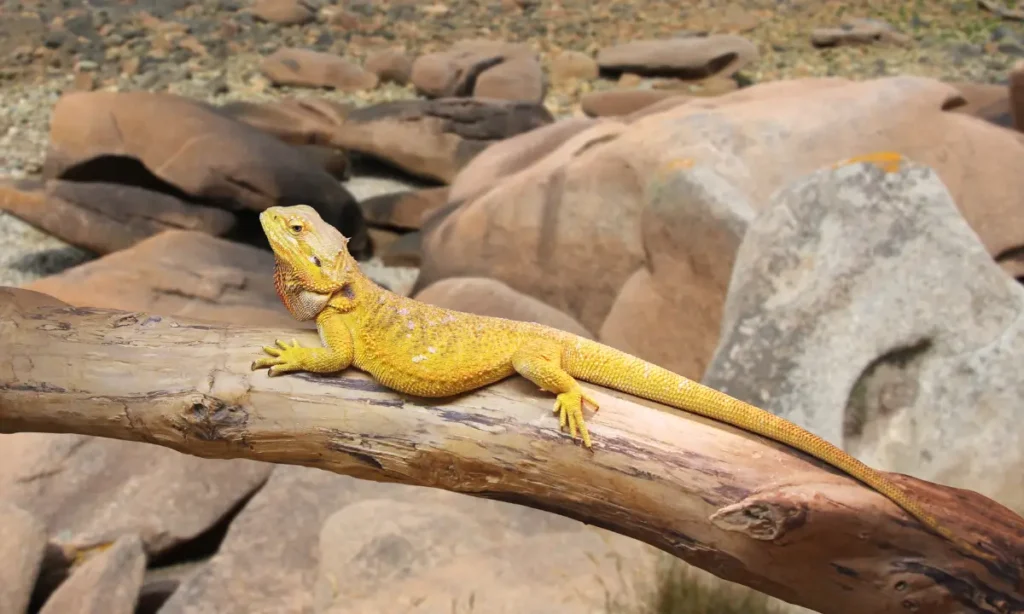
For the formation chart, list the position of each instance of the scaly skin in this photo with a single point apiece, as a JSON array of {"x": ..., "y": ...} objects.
[{"x": 428, "y": 351}]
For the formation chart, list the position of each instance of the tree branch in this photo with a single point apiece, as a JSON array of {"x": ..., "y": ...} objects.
[{"x": 742, "y": 507}]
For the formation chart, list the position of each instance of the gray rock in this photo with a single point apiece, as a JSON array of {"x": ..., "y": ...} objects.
[
  {"x": 107, "y": 583},
  {"x": 22, "y": 543},
  {"x": 864, "y": 308}
]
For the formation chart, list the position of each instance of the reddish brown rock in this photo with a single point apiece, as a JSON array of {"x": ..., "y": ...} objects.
[
  {"x": 108, "y": 582},
  {"x": 434, "y": 139},
  {"x": 489, "y": 297},
  {"x": 106, "y": 217},
  {"x": 512, "y": 155},
  {"x": 572, "y": 65},
  {"x": 405, "y": 251},
  {"x": 268, "y": 560},
  {"x": 382, "y": 239},
  {"x": 304, "y": 67},
  {"x": 334, "y": 161},
  {"x": 1016, "y": 87},
  {"x": 22, "y": 544},
  {"x": 859, "y": 31},
  {"x": 390, "y": 65},
  {"x": 596, "y": 244},
  {"x": 147, "y": 138},
  {"x": 684, "y": 58},
  {"x": 338, "y": 16},
  {"x": 520, "y": 78},
  {"x": 455, "y": 71},
  {"x": 656, "y": 107},
  {"x": 178, "y": 273},
  {"x": 299, "y": 121},
  {"x": 283, "y": 12},
  {"x": 613, "y": 103},
  {"x": 984, "y": 100},
  {"x": 403, "y": 210}
]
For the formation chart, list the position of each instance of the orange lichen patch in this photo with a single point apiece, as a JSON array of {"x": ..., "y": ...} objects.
[
  {"x": 888, "y": 161},
  {"x": 676, "y": 164}
]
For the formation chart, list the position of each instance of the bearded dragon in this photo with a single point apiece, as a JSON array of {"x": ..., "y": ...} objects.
[{"x": 428, "y": 351}]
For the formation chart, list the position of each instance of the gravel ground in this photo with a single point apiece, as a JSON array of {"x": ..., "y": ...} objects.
[{"x": 43, "y": 44}]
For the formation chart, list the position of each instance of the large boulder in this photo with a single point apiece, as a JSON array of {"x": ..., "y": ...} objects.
[{"x": 864, "y": 308}]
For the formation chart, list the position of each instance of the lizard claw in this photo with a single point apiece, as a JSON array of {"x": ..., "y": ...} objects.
[
  {"x": 569, "y": 407},
  {"x": 284, "y": 358}
]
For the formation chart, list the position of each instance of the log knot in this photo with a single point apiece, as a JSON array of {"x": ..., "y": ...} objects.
[
  {"x": 210, "y": 419},
  {"x": 760, "y": 517}
]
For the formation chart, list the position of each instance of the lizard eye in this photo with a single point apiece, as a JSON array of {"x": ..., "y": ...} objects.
[
  {"x": 316, "y": 261},
  {"x": 295, "y": 227}
]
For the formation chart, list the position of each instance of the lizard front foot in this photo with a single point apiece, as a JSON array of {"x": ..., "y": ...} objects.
[
  {"x": 284, "y": 358},
  {"x": 569, "y": 407}
]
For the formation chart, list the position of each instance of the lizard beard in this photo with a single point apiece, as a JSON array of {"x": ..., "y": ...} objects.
[{"x": 303, "y": 304}]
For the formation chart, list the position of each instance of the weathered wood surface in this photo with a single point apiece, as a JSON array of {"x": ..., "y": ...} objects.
[{"x": 737, "y": 505}]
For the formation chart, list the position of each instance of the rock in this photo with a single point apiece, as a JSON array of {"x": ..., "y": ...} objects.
[
  {"x": 434, "y": 139},
  {"x": 629, "y": 81},
  {"x": 283, "y": 12},
  {"x": 22, "y": 544},
  {"x": 156, "y": 139},
  {"x": 579, "y": 210},
  {"x": 711, "y": 86},
  {"x": 511, "y": 155},
  {"x": 89, "y": 490},
  {"x": 705, "y": 211},
  {"x": 1016, "y": 87},
  {"x": 161, "y": 581},
  {"x": 106, "y": 217},
  {"x": 489, "y": 297},
  {"x": 568, "y": 66},
  {"x": 403, "y": 210},
  {"x": 479, "y": 571},
  {"x": 985, "y": 101},
  {"x": 267, "y": 562},
  {"x": 335, "y": 161},
  {"x": 623, "y": 102},
  {"x": 522, "y": 248},
  {"x": 338, "y": 16},
  {"x": 390, "y": 65},
  {"x": 382, "y": 239},
  {"x": 519, "y": 78},
  {"x": 833, "y": 323},
  {"x": 453, "y": 73},
  {"x": 107, "y": 583},
  {"x": 298, "y": 121},
  {"x": 308, "y": 68},
  {"x": 405, "y": 251},
  {"x": 179, "y": 274},
  {"x": 859, "y": 31},
  {"x": 440, "y": 75},
  {"x": 685, "y": 58},
  {"x": 664, "y": 104}
]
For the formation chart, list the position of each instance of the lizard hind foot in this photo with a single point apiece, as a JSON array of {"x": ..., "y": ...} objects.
[{"x": 569, "y": 407}]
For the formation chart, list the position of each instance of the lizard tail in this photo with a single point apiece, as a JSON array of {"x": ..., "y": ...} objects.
[{"x": 600, "y": 364}]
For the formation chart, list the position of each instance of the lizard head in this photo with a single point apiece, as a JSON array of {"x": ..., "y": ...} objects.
[{"x": 311, "y": 257}]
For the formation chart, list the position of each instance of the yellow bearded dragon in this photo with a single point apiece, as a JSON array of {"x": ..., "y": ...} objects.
[{"x": 429, "y": 351}]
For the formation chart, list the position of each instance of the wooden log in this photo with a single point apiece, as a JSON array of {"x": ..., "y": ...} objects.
[{"x": 740, "y": 506}]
